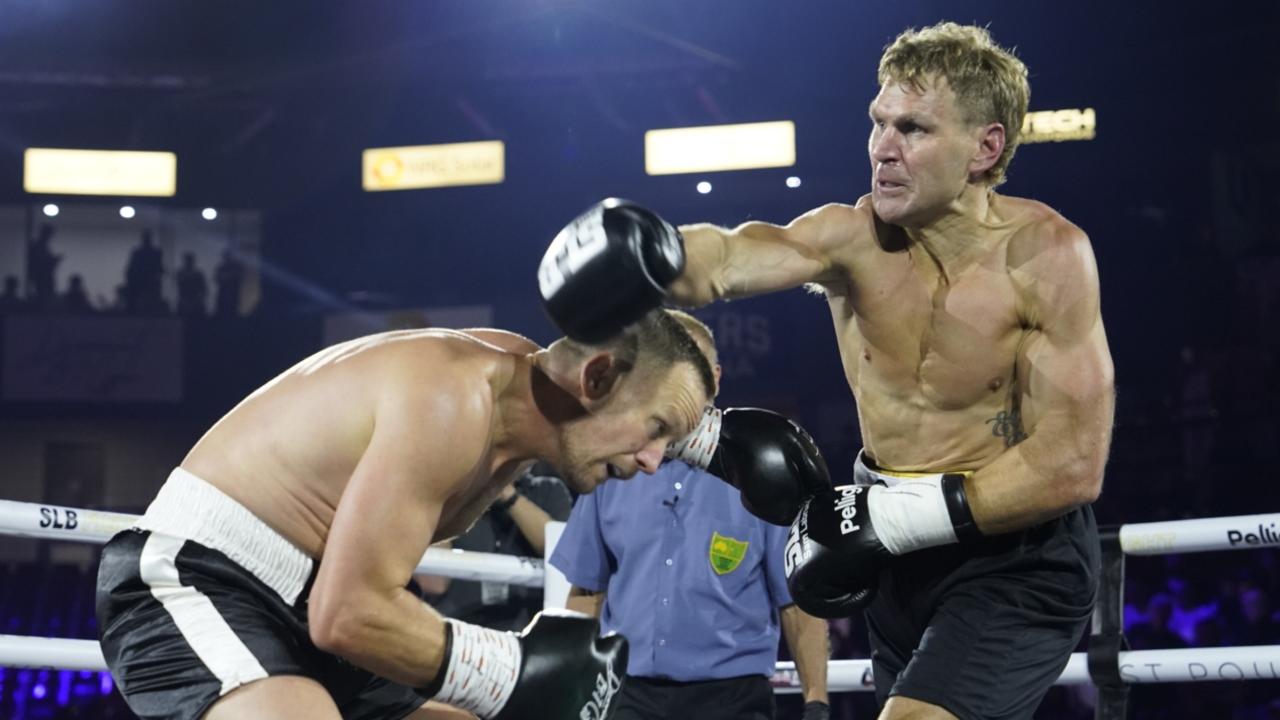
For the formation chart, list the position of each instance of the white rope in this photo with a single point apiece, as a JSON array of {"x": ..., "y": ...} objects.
[
  {"x": 56, "y": 653},
  {"x": 468, "y": 565},
  {"x": 1242, "y": 532},
  {"x": 1256, "y": 662},
  {"x": 55, "y": 522}
]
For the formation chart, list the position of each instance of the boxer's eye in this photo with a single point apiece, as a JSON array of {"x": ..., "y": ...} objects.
[{"x": 660, "y": 428}]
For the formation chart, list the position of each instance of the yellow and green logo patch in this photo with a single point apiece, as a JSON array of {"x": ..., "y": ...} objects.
[{"x": 726, "y": 553}]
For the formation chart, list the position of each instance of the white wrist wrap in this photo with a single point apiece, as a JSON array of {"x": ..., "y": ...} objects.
[
  {"x": 911, "y": 515},
  {"x": 482, "y": 671},
  {"x": 699, "y": 446}
]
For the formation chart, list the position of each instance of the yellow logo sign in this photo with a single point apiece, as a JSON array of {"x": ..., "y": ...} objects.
[
  {"x": 428, "y": 166},
  {"x": 726, "y": 553},
  {"x": 1059, "y": 125}
]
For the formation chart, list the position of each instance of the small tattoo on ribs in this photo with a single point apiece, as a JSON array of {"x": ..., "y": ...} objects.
[{"x": 1008, "y": 425}]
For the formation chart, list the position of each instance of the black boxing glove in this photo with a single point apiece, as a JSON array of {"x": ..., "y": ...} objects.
[
  {"x": 607, "y": 268},
  {"x": 771, "y": 460},
  {"x": 842, "y": 537},
  {"x": 557, "y": 668},
  {"x": 833, "y": 555}
]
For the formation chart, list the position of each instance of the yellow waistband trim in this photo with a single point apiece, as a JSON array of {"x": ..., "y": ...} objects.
[{"x": 876, "y": 469}]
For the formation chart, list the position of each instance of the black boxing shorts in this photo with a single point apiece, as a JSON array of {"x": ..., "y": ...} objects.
[
  {"x": 983, "y": 629},
  {"x": 202, "y": 597}
]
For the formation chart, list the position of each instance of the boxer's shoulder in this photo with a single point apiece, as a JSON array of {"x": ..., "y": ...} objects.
[
  {"x": 444, "y": 364},
  {"x": 1045, "y": 246},
  {"x": 845, "y": 225},
  {"x": 844, "y": 234},
  {"x": 503, "y": 340},
  {"x": 445, "y": 349},
  {"x": 1033, "y": 227}
]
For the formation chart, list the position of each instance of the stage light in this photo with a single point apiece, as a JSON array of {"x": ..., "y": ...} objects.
[
  {"x": 51, "y": 210},
  {"x": 99, "y": 172},
  {"x": 209, "y": 214},
  {"x": 710, "y": 148},
  {"x": 127, "y": 212},
  {"x": 704, "y": 187}
]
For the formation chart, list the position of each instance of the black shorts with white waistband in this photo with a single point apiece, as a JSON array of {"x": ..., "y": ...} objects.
[
  {"x": 183, "y": 624},
  {"x": 984, "y": 629}
]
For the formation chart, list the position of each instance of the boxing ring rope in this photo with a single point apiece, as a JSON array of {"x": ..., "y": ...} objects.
[
  {"x": 54, "y": 522},
  {"x": 1260, "y": 662},
  {"x": 1122, "y": 667}
]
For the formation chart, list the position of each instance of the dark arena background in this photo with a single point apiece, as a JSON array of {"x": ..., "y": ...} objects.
[{"x": 292, "y": 212}]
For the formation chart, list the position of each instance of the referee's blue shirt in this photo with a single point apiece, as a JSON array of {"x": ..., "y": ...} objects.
[{"x": 692, "y": 579}]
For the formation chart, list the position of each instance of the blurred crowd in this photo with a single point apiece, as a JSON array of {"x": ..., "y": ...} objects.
[{"x": 140, "y": 292}]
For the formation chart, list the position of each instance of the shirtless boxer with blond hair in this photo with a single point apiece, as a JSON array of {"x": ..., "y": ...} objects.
[
  {"x": 268, "y": 577},
  {"x": 969, "y": 326}
]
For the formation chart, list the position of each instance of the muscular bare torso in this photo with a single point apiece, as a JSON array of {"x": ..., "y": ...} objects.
[
  {"x": 288, "y": 451},
  {"x": 932, "y": 354}
]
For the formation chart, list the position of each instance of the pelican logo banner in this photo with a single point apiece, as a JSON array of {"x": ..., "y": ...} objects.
[
  {"x": 726, "y": 553},
  {"x": 1265, "y": 535},
  {"x": 607, "y": 686}
]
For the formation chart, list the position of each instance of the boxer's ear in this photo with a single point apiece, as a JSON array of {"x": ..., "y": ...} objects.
[
  {"x": 600, "y": 374},
  {"x": 989, "y": 145}
]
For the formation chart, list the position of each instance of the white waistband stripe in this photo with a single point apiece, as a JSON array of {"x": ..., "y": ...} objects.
[{"x": 192, "y": 509}]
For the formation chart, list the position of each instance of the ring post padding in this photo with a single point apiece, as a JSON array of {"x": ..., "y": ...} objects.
[{"x": 1107, "y": 640}]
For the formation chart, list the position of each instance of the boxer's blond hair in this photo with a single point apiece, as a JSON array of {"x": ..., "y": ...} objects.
[
  {"x": 658, "y": 339},
  {"x": 989, "y": 82}
]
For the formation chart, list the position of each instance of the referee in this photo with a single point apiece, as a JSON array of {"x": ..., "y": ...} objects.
[{"x": 695, "y": 583}]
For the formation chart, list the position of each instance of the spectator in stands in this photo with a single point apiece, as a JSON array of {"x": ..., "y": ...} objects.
[
  {"x": 229, "y": 277},
  {"x": 11, "y": 299},
  {"x": 1257, "y": 622},
  {"x": 144, "y": 276},
  {"x": 1152, "y": 631},
  {"x": 75, "y": 299},
  {"x": 193, "y": 288},
  {"x": 1190, "y": 607},
  {"x": 42, "y": 264}
]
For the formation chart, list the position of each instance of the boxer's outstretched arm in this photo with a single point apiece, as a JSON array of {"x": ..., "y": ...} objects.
[
  {"x": 427, "y": 436},
  {"x": 1067, "y": 382},
  {"x": 759, "y": 257}
]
